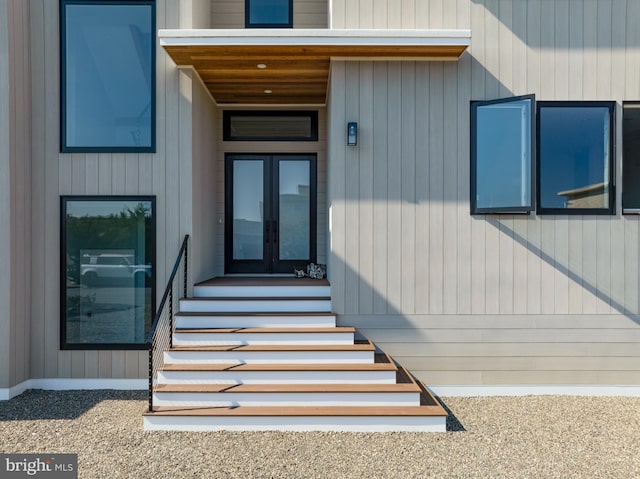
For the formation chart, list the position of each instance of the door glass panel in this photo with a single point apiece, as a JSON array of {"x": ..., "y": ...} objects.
[
  {"x": 248, "y": 205},
  {"x": 294, "y": 202}
]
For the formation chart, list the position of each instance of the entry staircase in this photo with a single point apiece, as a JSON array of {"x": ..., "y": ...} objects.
[{"x": 254, "y": 354}]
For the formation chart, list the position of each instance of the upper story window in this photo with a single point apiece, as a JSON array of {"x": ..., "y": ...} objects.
[
  {"x": 269, "y": 13},
  {"x": 107, "y": 75},
  {"x": 264, "y": 125},
  {"x": 575, "y": 157}
]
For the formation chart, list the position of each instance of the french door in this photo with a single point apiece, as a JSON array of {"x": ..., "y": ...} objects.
[{"x": 270, "y": 212}]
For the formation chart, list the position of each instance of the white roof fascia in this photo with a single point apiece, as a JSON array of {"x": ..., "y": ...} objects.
[{"x": 313, "y": 37}]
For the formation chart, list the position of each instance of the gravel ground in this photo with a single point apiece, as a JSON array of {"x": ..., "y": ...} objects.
[{"x": 519, "y": 437}]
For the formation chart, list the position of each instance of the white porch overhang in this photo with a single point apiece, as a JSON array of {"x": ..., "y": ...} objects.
[{"x": 291, "y": 66}]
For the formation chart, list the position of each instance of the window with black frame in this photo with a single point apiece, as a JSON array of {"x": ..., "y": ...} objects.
[
  {"x": 501, "y": 155},
  {"x": 269, "y": 13},
  {"x": 107, "y": 271},
  {"x": 575, "y": 157},
  {"x": 107, "y": 51},
  {"x": 631, "y": 157}
]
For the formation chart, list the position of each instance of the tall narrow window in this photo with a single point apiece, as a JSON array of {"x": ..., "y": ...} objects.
[
  {"x": 575, "y": 157},
  {"x": 107, "y": 272},
  {"x": 631, "y": 157},
  {"x": 269, "y": 13},
  {"x": 501, "y": 153},
  {"x": 107, "y": 75}
]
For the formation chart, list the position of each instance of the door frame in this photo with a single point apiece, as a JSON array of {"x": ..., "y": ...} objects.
[{"x": 270, "y": 263}]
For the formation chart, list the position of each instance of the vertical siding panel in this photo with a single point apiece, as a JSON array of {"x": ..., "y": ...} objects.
[
  {"x": 589, "y": 36},
  {"x": 380, "y": 205},
  {"x": 337, "y": 184},
  {"x": 436, "y": 13},
  {"x": 603, "y": 72},
  {"x": 464, "y": 236},
  {"x": 617, "y": 260},
  {"x": 576, "y": 42},
  {"x": 38, "y": 181},
  {"x": 352, "y": 194},
  {"x": 408, "y": 182},
  {"x": 603, "y": 265},
  {"x": 394, "y": 185},
  {"x": 117, "y": 364},
  {"x": 422, "y": 188},
  {"x": 91, "y": 364},
  {"x": 492, "y": 266},
  {"x": 380, "y": 14},
  {"x": 507, "y": 266},
  {"x": 408, "y": 12},
  {"x": 505, "y": 43},
  {"x": 449, "y": 13},
  {"x": 145, "y": 178},
  {"x": 547, "y": 269},
  {"x": 421, "y": 10},
  {"x": 78, "y": 364},
  {"x": 561, "y": 253},
  {"x": 520, "y": 265},
  {"x": 618, "y": 40},
  {"x": 131, "y": 171},
  {"x": 92, "y": 174},
  {"x": 365, "y": 15},
  {"x": 589, "y": 254},
  {"x": 351, "y": 14},
  {"x": 132, "y": 363},
  {"x": 450, "y": 194},
  {"x": 491, "y": 59},
  {"x": 366, "y": 199},
  {"x": 118, "y": 174},
  {"x": 393, "y": 14},
  {"x": 338, "y": 16},
  {"x": 50, "y": 273},
  {"x": 534, "y": 284},
  {"x": 632, "y": 57},
  {"x": 104, "y": 364},
  {"x": 561, "y": 67},
  {"x": 533, "y": 54},
  {"x": 104, "y": 174},
  {"x": 519, "y": 49},
  {"x": 575, "y": 265},
  {"x": 631, "y": 261},
  {"x": 436, "y": 188},
  {"x": 547, "y": 52},
  {"x": 163, "y": 65},
  {"x": 478, "y": 223}
]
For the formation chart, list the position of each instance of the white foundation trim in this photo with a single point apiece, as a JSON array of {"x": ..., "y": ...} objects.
[
  {"x": 538, "y": 390},
  {"x": 67, "y": 384}
]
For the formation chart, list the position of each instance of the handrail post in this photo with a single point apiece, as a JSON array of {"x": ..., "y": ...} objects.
[
  {"x": 151, "y": 378},
  {"x": 186, "y": 262},
  {"x": 171, "y": 317}
]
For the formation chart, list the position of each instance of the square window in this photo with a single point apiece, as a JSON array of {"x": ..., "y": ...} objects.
[
  {"x": 107, "y": 272},
  {"x": 631, "y": 157},
  {"x": 107, "y": 52},
  {"x": 501, "y": 155},
  {"x": 575, "y": 157},
  {"x": 269, "y": 13}
]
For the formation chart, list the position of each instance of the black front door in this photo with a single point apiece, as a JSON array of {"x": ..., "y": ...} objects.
[{"x": 270, "y": 212}]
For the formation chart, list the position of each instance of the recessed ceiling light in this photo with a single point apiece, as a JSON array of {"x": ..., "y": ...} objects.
[
  {"x": 261, "y": 65},
  {"x": 268, "y": 91}
]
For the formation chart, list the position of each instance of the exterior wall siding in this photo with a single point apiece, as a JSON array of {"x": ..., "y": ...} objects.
[
  {"x": 15, "y": 182},
  {"x": 167, "y": 174},
  {"x": 306, "y": 13},
  {"x": 463, "y": 299}
]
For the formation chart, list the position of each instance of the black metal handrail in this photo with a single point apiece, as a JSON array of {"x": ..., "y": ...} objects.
[{"x": 160, "y": 336}]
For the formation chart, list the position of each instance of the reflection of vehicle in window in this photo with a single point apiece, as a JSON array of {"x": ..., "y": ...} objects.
[{"x": 116, "y": 266}]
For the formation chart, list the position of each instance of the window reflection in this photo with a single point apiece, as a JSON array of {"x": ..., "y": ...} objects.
[
  {"x": 574, "y": 156},
  {"x": 294, "y": 184},
  {"x": 108, "y": 75},
  {"x": 108, "y": 294},
  {"x": 269, "y": 12}
]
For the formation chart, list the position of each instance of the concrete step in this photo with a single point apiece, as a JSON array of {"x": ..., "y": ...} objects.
[
  {"x": 249, "y": 336},
  {"x": 255, "y": 320}
]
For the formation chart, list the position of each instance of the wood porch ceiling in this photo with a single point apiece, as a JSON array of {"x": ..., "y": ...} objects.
[{"x": 297, "y": 61}]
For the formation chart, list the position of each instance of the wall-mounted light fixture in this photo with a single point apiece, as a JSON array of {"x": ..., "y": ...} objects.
[{"x": 352, "y": 133}]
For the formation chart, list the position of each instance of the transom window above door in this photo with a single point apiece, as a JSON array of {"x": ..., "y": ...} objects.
[{"x": 269, "y": 13}]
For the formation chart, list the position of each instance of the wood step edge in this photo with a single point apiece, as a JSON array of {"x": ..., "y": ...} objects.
[
  {"x": 300, "y": 330},
  {"x": 267, "y": 281},
  {"x": 291, "y": 411},
  {"x": 356, "y": 346},
  {"x": 370, "y": 388}
]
